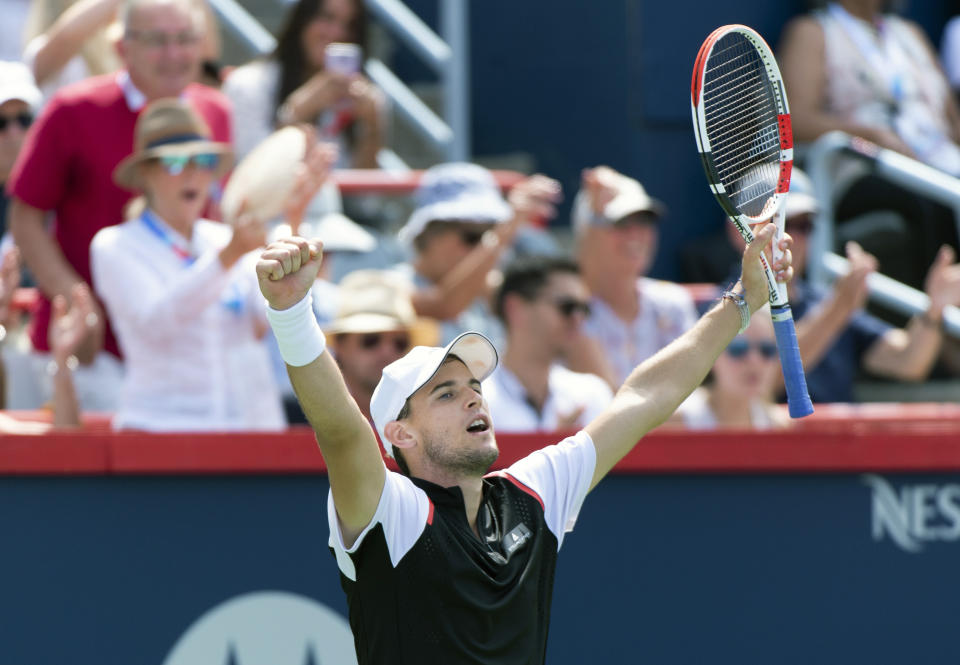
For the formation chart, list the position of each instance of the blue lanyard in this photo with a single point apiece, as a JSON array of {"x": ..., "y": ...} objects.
[{"x": 153, "y": 225}]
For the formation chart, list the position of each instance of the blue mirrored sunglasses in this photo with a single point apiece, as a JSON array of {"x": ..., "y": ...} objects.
[
  {"x": 739, "y": 347},
  {"x": 176, "y": 164}
]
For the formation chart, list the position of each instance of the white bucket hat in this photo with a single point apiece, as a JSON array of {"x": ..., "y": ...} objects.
[
  {"x": 457, "y": 191},
  {"x": 407, "y": 375}
]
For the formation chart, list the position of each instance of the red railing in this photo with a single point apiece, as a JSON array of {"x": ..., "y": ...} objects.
[
  {"x": 374, "y": 181},
  {"x": 887, "y": 437}
]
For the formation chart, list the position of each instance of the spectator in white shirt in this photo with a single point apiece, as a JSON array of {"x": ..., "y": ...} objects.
[
  {"x": 632, "y": 316},
  {"x": 183, "y": 301},
  {"x": 543, "y": 303}
]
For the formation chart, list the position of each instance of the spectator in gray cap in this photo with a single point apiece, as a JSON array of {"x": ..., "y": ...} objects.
[
  {"x": 632, "y": 317},
  {"x": 458, "y": 232}
]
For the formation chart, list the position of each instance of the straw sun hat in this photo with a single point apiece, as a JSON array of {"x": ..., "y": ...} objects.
[{"x": 169, "y": 127}]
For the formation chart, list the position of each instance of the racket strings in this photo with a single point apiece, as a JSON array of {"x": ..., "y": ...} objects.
[
  {"x": 730, "y": 100},
  {"x": 743, "y": 128},
  {"x": 740, "y": 114}
]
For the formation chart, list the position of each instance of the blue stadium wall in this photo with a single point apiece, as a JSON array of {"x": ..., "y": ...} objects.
[
  {"x": 578, "y": 84},
  {"x": 732, "y": 569}
]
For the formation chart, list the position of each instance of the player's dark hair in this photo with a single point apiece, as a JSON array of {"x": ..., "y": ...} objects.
[
  {"x": 527, "y": 276},
  {"x": 397, "y": 454}
]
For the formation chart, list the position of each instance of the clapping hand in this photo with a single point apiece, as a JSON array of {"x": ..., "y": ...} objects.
[
  {"x": 851, "y": 289},
  {"x": 600, "y": 185},
  {"x": 942, "y": 283},
  {"x": 9, "y": 281},
  {"x": 312, "y": 174},
  {"x": 534, "y": 200},
  {"x": 70, "y": 325}
]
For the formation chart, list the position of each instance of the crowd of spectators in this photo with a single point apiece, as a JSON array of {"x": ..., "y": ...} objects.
[{"x": 114, "y": 152}]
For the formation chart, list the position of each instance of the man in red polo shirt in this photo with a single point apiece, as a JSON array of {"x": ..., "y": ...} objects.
[{"x": 68, "y": 157}]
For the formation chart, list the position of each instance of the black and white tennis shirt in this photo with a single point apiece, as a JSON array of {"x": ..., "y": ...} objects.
[{"x": 422, "y": 588}]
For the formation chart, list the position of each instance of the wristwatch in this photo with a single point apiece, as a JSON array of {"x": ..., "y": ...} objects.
[{"x": 742, "y": 307}]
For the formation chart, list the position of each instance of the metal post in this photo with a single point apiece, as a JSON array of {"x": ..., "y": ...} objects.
[{"x": 454, "y": 28}]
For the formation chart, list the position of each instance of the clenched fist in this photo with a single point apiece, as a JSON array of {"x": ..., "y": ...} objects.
[{"x": 287, "y": 269}]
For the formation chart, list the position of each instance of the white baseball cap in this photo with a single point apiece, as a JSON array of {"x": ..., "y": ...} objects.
[
  {"x": 631, "y": 197},
  {"x": 405, "y": 376},
  {"x": 16, "y": 82}
]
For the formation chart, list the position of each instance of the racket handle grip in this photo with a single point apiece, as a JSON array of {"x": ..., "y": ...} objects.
[{"x": 798, "y": 398}]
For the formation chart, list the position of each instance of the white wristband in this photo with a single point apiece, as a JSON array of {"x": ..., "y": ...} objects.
[{"x": 298, "y": 334}]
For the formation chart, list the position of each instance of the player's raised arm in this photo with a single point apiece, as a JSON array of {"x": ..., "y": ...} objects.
[
  {"x": 657, "y": 386},
  {"x": 286, "y": 272}
]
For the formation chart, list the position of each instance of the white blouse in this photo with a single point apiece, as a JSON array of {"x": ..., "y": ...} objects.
[{"x": 187, "y": 327}]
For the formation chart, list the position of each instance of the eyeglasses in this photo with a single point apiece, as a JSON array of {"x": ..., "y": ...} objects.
[
  {"x": 177, "y": 164},
  {"x": 570, "y": 306},
  {"x": 799, "y": 227},
  {"x": 158, "y": 40},
  {"x": 472, "y": 237},
  {"x": 740, "y": 346},
  {"x": 23, "y": 119},
  {"x": 371, "y": 341}
]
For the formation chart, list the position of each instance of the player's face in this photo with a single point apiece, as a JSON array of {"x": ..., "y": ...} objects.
[
  {"x": 749, "y": 366},
  {"x": 362, "y": 356},
  {"x": 557, "y": 314},
  {"x": 332, "y": 23},
  {"x": 453, "y": 423},
  {"x": 161, "y": 47}
]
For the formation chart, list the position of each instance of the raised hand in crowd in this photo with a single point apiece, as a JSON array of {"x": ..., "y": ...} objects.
[
  {"x": 95, "y": 322},
  {"x": 851, "y": 289},
  {"x": 534, "y": 201},
  {"x": 600, "y": 186},
  {"x": 9, "y": 281},
  {"x": 942, "y": 283},
  {"x": 249, "y": 233},
  {"x": 313, "y": 173},
  {"x": 71, "y": 34},
  {"x": 368, "y": 104},
  {"x": 69, "y": 328}
]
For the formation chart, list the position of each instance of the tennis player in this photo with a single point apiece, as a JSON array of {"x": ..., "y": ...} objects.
[{"x": 445, "y": 562}]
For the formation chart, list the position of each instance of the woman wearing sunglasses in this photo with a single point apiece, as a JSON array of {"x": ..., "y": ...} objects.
[
  {"x": 740, "y": 389},
  {"x": 186, "y": 309}
]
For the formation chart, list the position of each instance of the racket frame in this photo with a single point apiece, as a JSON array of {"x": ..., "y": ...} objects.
[{"x": 794, "y": 380}]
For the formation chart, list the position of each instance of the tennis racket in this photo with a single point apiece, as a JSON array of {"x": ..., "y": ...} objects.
[{"x": 742, "y": 124}]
